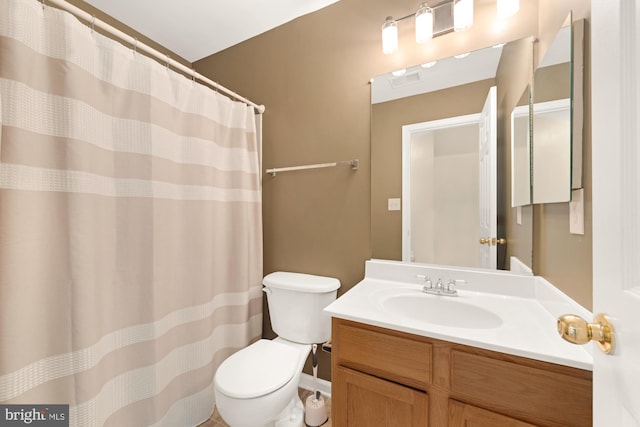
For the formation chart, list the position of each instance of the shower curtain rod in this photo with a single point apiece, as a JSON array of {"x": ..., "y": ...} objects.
[{"x": 137, "y": 45}]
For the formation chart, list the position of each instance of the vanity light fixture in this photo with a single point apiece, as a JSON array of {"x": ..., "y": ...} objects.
[
  {"x": 429, "y": 64},
  {"x": 462, "y": 14},
  {"x": 399, "y": 73},
  {"x": 507, "y": 8},
  {"x": 430, "y": 22},
  {"x": 462, "y": 55}
]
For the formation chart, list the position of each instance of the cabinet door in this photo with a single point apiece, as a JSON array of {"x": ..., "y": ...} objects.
[
  {"x": 361, "y": 400},
  {"x": 463, "y": 415}
]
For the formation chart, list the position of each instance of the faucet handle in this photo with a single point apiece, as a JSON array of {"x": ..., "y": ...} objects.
[
  {"x": 426, "y": 279},
  {"x": 453, "y": 283}
]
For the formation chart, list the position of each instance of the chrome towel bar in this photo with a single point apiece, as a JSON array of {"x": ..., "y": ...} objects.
[{"x": 355, "y": 163}]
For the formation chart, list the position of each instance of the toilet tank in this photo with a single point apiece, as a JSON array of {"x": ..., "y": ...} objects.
[{"x": 296, "y": 302}]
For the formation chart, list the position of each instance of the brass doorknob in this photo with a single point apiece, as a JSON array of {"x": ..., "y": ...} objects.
[
  {"x": 492, "y": 241},
  {"x": 576, "y": 330}
]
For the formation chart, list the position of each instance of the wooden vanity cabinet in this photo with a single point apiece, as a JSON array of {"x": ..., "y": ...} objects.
[{"x": 382, "y": 377}]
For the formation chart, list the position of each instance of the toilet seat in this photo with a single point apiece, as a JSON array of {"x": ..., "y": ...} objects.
[{"x": 257, "y": 370}]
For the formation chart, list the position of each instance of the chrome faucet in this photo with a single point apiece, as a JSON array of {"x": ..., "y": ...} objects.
[{"x": 440, "y": 288}]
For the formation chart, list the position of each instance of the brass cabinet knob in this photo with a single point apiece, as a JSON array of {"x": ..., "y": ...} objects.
[
  {"x": 485, "y": 241},
  {"x": 576, "y": 330}
]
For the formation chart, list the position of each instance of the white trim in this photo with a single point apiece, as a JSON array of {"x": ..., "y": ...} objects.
[
  {"x": 306, "y": 383},
  {"x": 550, "y": 106}
]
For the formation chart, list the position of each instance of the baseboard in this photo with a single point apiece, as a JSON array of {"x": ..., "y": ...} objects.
[{"x": 306, "y": 382}]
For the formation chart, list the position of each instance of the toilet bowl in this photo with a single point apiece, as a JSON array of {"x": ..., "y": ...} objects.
[{"x": 258, "y": 385}]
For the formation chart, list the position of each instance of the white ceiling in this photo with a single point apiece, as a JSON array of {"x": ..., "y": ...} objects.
[{"x": 195, "y": 29}]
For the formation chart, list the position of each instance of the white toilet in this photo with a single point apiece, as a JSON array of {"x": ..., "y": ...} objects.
[{"x": 258, "y": 385}]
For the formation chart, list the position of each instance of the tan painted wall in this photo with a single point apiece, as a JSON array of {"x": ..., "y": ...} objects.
[{"x": 312, "y": 74}]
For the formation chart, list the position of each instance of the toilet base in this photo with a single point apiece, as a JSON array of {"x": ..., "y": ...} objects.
[{"x": 292, "y": 415}]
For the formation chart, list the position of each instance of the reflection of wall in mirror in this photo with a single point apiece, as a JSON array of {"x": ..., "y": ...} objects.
[{"x": 553, "y": 82}]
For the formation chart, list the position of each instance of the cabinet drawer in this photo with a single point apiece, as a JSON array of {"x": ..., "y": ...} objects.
[
  {"x": 391, "y": 355},
  {"x": 550, "y": 398}
]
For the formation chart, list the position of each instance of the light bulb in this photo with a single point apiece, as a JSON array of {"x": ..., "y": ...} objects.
[
  {"x": 462, "y": 14},
  {"x": 507, "y": 8},
  {"x": 389, "y": 36},
  {"x": 424, "y": 23}
]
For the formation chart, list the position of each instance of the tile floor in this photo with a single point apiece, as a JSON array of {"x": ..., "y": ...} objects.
[{"x": 216, "y": 419}]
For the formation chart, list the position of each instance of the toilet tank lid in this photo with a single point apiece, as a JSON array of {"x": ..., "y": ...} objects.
[{"x": 300, "y": 282}]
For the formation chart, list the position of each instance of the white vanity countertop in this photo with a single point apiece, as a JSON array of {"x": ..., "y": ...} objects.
[{"x": 527, "y": 306}]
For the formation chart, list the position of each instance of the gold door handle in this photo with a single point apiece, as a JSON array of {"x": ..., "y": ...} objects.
[
  {"x": 576, "y": 330},
  {"x": 493, "y": 241}
]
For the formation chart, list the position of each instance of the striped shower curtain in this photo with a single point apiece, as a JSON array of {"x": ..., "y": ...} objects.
[{"x": 130, "y": 227}]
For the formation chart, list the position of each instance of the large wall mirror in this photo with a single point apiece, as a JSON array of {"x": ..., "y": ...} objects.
[{"x": 430, "y": 180}]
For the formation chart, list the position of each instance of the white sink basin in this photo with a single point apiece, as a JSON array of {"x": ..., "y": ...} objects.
[{"x": 440, "y": 310}]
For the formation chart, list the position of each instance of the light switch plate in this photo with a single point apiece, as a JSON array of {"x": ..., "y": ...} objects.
[
  {"x": 576, "y": 212},
  {"x": 394, "y": 204}
]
